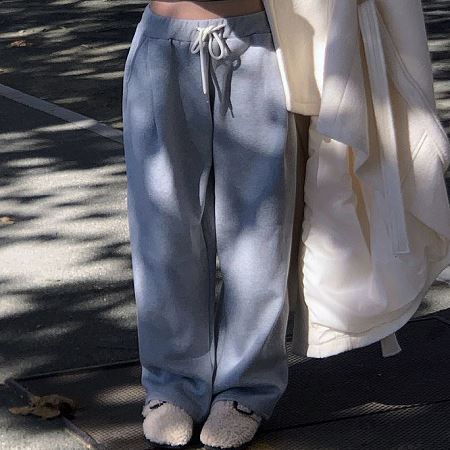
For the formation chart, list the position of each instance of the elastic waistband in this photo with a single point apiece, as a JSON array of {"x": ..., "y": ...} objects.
[{"x": 155, "y": 25}]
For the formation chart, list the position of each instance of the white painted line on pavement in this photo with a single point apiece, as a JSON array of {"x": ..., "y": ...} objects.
[{"x": 77, "y": 120}]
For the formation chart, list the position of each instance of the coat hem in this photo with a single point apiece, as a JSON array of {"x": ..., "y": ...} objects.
[
  {"x": 305, "y": 109},
  {"x": 346, "y": 343}
]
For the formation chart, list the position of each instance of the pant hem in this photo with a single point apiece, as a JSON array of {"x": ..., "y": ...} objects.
[
  {"x": 264, "y": 414},
  {"x": 177, "y": 401}
]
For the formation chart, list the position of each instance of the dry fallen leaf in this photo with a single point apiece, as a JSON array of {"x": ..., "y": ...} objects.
[
  {"x": 47, "y": 406},
  {"x": 6, "y": 220},
  {"x": 20, "y": 43}
]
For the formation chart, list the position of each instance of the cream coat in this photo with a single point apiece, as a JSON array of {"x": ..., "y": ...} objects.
[{"x": 372, "y": 228}]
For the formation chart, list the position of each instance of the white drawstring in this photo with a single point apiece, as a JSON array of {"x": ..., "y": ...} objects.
[{"x": 207, "y": 33}]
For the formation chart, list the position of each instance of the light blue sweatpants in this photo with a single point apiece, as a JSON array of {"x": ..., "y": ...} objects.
[{"x": 209, "y": 169}]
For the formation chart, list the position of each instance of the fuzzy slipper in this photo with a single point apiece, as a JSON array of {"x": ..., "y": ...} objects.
[
  {"x": 166, "y": 425},
  {"x": 229, "y": 425}
]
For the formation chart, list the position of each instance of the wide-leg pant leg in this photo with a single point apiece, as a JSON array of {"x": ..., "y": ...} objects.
[
  {"x": 254, "y": 148},
  {"x": 167, "y": 141}
]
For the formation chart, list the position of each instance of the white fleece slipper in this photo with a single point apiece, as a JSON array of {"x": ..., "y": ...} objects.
[
  {"x": 166, "y": 425},
  {"x": 229, "y": 425}
]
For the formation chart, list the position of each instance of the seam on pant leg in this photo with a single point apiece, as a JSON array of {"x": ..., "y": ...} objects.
[{"x": 210, "y": 274}]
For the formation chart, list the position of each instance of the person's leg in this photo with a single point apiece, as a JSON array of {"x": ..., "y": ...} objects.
[
  {"x": 168, "y": 137},
  {"x": 167, "y": 141},
  {"x": 254, "y": 156}
]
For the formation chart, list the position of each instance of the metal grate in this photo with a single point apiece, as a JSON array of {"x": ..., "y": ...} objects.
[{"x": 360, "y": 398}]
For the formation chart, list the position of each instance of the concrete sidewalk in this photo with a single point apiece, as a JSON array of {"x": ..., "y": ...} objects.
[{"x": 66, "y": 297}]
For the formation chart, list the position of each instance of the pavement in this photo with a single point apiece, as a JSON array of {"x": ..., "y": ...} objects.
[{"x": 66, "y": 283}]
